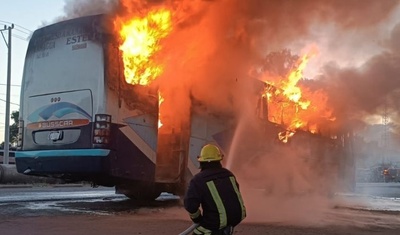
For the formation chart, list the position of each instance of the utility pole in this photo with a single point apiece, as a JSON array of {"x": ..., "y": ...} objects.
[
  {"x": 385, "y": 121},
  {"x": 6, "y": 157}
]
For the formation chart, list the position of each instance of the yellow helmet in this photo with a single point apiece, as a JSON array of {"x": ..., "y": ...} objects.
[{"x": 210, "y": 153}]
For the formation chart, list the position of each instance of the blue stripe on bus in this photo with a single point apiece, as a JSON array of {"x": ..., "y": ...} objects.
[{"x": 64, "y": 153}]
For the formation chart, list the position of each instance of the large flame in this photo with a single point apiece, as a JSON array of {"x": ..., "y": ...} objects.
[
  {"x": 290, "y": 88},
  {"x": 160, "y": 101},
  {"x": 289, "y": 104},
  {"x": 141, "y": 41},
  {"x": 293, "y": 106},
  {"x": 141, "y": 38}
]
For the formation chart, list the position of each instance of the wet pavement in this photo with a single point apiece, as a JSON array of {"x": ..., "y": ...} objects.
[
  {"x": 29, "y": 200},
  {"x": 80, "y": 209},
  {"x": 70, "y": 199}
]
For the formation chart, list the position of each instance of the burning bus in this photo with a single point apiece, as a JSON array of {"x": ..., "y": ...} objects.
[
  {"x": 81, "y": 121},
  {"x": 90, "y": 112}
]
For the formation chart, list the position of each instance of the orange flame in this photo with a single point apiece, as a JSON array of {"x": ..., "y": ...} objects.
[
  {"x": 141, "y": 41},
  {"x": 295, "y": 107},
  {"x": 290, "y": 88},
  {"x": 285, "y": 135},
  {"x": 160, "y": 101}
]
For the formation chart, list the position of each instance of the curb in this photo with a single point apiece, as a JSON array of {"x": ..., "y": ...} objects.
[
  {"x": 16, "y": 186},
  {"x": 37, "y": 186},
  {"x": 66, "y": 185}
]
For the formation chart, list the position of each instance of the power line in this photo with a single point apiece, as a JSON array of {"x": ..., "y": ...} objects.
[
  {"x": 7, "y": 22},
  {"x": 23, "y": 31},
  {"x": 17, "y": 36},
  {"x": 2, "y": 84},
  {"x": 11, "y": 95},
  {"x": 20, "y": 37},
  {"x": 10, "y": 102}
]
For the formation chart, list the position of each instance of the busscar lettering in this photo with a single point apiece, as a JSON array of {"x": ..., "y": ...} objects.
[{"x": 56, "y": 124}]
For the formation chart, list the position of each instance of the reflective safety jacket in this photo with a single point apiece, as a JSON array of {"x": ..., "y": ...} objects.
[{"x": 217, "y": 192}]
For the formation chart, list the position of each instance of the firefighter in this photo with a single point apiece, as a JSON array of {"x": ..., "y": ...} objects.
[{"x": 216, "y": 191}]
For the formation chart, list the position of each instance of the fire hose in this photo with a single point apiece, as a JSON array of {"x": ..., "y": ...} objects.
[{"x": 189, "y": 230}]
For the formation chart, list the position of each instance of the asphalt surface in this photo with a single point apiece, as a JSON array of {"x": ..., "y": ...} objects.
[
  {"x": 28, "y": 200},
  {"x": 80, "y": 209},
  {"x": 23, "y": 200}
]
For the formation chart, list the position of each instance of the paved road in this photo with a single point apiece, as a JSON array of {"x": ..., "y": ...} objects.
[
  {"x": 87, "y": 211},
  {"x": 28, "y": 193},
  {"x": 67, "y": 199},
  {"x": 66, "y": 195},
  {"x": 78, "y": 198},
  {"x": 379, "y": 189}
]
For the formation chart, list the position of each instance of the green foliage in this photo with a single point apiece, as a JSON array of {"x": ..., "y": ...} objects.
[
  {"x": 13, "y": 129},
  {"x": 279, "y": 63}
]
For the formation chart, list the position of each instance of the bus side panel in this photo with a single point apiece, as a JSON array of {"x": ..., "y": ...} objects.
[
  {"x": 135, "y": 141},
  {"x": 129, "y": 162},
  {"x": 133, "y": 110}
]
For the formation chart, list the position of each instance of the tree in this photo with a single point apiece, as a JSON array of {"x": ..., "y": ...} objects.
[
  {"x": 279, "y": 63},
  {"x": 13, "y": 129}
]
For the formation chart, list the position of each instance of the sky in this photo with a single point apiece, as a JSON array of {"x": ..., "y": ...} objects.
[{"x": 27, "y": 16}]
